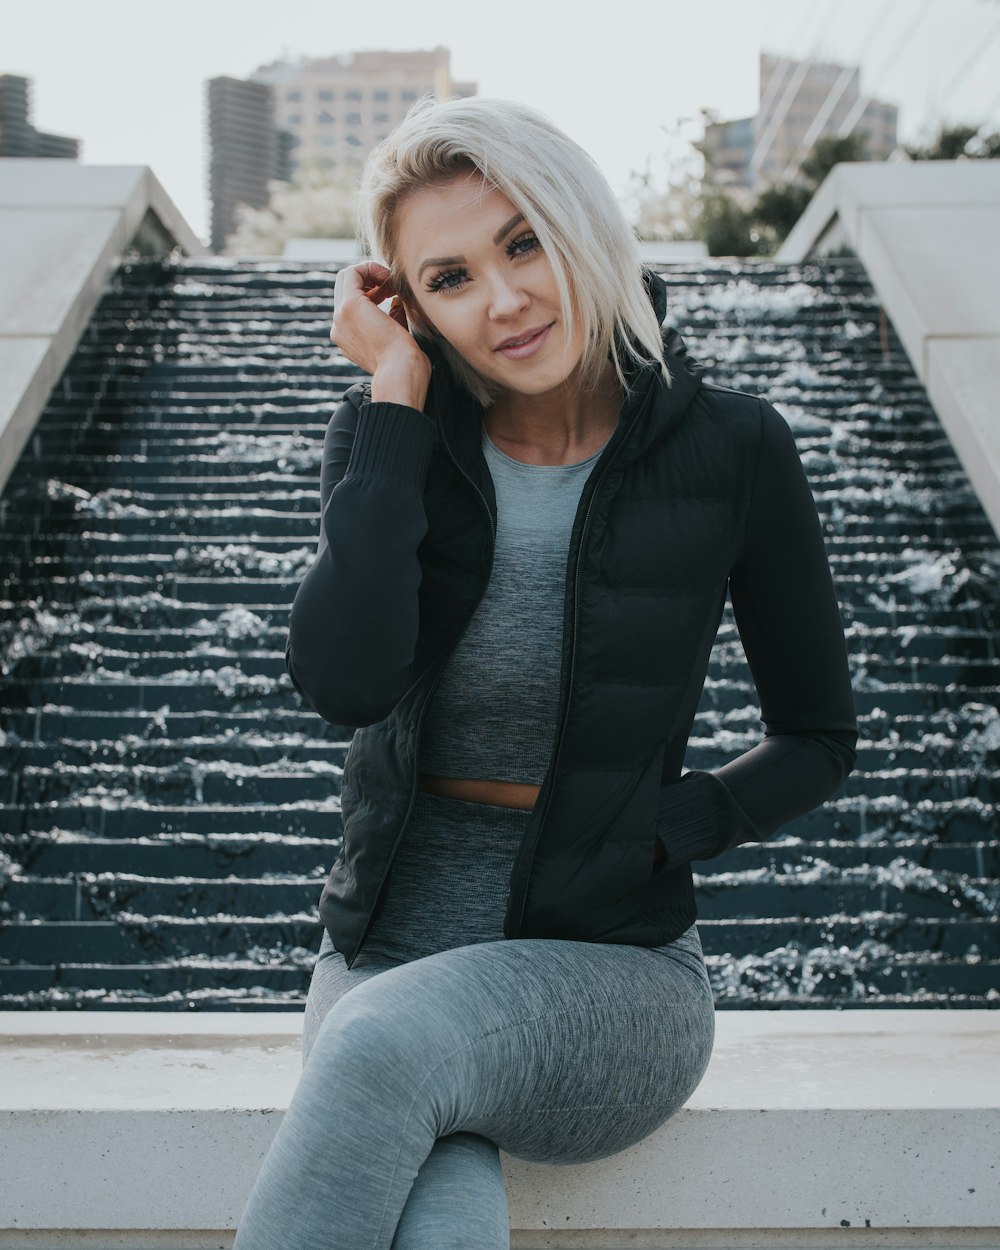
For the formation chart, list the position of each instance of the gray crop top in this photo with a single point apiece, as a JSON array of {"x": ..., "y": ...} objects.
[{"x": 493, "y": 712}]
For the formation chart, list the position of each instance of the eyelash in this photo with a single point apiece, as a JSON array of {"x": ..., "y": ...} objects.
[{"x": 440, "y": 282}]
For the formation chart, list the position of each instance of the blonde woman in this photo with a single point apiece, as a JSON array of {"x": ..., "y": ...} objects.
[{"x": 530, "y": 519}]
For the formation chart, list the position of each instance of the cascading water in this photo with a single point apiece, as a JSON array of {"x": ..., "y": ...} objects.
[{"x": 170, "y": 807}]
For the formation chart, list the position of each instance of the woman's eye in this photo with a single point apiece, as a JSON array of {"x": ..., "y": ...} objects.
[
  {"x": 523, "y": 244},
  {"x": 447, "y": 281}
]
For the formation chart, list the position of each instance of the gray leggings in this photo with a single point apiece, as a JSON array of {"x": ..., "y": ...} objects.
[{"x": 416, "y": 1073}]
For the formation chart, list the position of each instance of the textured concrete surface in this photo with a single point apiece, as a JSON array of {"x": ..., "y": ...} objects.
[
  {"x": 64, "y": 228},
  {"x": 821, "y": 1121},
  {"x": 927, "y": 233}
]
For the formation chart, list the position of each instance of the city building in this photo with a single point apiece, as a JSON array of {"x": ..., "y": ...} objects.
[
  {"x": 18, "y": 137},
  {"x": 246, "y": 151},
  {"x": 799, "y": 101},
  {"x": 322, "y": 114}
]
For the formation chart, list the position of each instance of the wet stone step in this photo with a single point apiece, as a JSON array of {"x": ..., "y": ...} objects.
[
  {"x": 52, "y": 724},
  {"x": 94, "y": 897},
  {"x": 102, "y": 537},
  {"x": 229, "y": 687},
  {"x": 200, "y": 662},
  {"x": 60, "y": 852},
  {"x": 942, "y": 978},
  {"x": 142, "y": 939},
  {"x": 953, "y": 937},
  {"x": 216, "y": 976},
  {"x": 220, "y": 783},
  {"x": 246, "y": 751},
  {"x": 145, "y": 938},
  {"x": 115, "y": 816},
  {"x": 254, "y": 560},
  {"x": 900, "y": 888},
  {"x": 64, "y": 853}
]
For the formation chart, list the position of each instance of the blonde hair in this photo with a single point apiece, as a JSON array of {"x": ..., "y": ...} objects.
[{"x": 565, "y": 199}]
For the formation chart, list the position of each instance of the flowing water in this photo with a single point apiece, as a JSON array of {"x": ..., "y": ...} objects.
[{"x": 170, "y": 807}]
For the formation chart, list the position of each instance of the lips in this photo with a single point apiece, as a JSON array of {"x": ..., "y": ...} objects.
[{"x": 525, "y": 343}]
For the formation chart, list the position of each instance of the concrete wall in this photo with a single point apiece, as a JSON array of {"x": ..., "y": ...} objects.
[
  {"x": 64, "y": 228},
  {"x": 927, "y": 233},
  {"x": 809, "y": 1129}
]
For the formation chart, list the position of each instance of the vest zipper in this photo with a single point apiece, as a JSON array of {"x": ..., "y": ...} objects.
[
  {"x": 526, "y": 873},
  {"x": 426, "y": 704}
]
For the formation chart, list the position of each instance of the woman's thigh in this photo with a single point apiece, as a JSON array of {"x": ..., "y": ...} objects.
[{"x": 557, "y": 1051}]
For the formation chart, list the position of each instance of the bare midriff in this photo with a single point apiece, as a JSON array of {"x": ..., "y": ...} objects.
[
  {"x": 473, "y": 790},
  {"x": 502, "y": 793}
]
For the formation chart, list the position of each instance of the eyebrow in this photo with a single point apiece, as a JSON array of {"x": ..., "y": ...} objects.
[{"x": 498, "y": 238}]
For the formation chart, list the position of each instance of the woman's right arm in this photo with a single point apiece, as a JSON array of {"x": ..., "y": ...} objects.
[{"x": 354, "y": 620}]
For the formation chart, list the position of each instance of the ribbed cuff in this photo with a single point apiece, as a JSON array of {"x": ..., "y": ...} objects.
[
  {"x": 697, "y": 818},
  {"x": 392, "y": 441}
]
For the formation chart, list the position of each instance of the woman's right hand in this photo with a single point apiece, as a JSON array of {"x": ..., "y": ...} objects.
[{"x": 378, "y": 341}]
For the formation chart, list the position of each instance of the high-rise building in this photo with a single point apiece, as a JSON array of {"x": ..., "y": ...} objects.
[
  {"x": 324, "y": 114},
  {"x": 338, "y": 107},
  {"x": 799, "y": 101},
  {"x": 18, "y": 137},
  {"x": 245, "y": 150}
]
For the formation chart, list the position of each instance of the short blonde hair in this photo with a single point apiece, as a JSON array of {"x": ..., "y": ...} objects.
[{"x": 565, "y": 199}]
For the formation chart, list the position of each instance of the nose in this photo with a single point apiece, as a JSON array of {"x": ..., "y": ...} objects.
[{"x": 507, "y": 297}]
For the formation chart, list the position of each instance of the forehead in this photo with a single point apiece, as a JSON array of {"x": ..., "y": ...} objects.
[{"x": 445, "y": 219}]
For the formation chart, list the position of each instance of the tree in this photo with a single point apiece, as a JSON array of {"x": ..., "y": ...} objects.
[
  {"x": 727, "y": 228},
  {"x": 830, "y": 150},
  {"x": 315, "y": 205},
  {"x": 955, "y": 143}
]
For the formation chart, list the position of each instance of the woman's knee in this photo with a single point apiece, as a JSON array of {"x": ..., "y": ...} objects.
[{"x": 381, "y": 1036}]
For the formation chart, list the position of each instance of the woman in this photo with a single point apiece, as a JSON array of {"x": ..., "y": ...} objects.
[{"x": 529, "y": 523}]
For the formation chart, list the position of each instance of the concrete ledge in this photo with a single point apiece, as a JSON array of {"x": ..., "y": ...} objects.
[
  {"x": 926, "y": 233},
  {"x": 810, "y": 1129},
  {"x": 64, "y": 228}
]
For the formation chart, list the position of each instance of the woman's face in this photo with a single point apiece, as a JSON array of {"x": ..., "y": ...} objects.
[{"x": 481, "y": 280}]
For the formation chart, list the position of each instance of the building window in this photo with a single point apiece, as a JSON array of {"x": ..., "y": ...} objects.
[
  {"x": 354, "y": 141},
  {"x": 325, "y": 96},
  {"x": 293, "y": 97},
  {"x": 381, "y": 119},
  {"x": 380, "y": 95},
  {"x": 324, "y": 117},
  {"x": 294, "y": 119},
  {"x": 354, "y": 119},
  {"x": 408, "y": 96},
  {"x": 353, "y": 94}
]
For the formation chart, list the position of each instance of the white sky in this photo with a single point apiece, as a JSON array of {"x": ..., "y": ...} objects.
[{"x": 128, "y": 78}]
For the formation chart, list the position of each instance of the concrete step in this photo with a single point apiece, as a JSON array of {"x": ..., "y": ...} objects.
[{"x": 839, "y": 1098}]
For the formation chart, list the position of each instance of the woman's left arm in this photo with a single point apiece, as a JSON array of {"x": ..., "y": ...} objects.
[{"x": 789, "y": 621}]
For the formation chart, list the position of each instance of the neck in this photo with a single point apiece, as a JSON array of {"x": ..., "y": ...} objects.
[{"x": 560, "y": 427}]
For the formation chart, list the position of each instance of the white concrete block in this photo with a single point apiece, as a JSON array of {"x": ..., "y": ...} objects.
[
  {"x": 26, "y": 379},
  {"x": 804, "y": 1120},
  {"x": 46, "y": 256},
  {"x": 64, "y": 227},
  {"x": 963, "y": 383},
  {"x": 947, "y": 261},
  {"x": 27, "y": 182},
  {"x": 857, "y": 185},
  {"x": 926, "y": 233}
]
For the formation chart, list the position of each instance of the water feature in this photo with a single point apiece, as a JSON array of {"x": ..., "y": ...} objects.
[{"x": 170, "y": 808}]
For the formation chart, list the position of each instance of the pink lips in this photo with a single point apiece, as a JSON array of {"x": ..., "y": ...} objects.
[{"x": 520, "y": 346}]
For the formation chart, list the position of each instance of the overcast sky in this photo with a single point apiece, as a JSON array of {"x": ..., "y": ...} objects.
[{"x": 129, "y": 78}]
